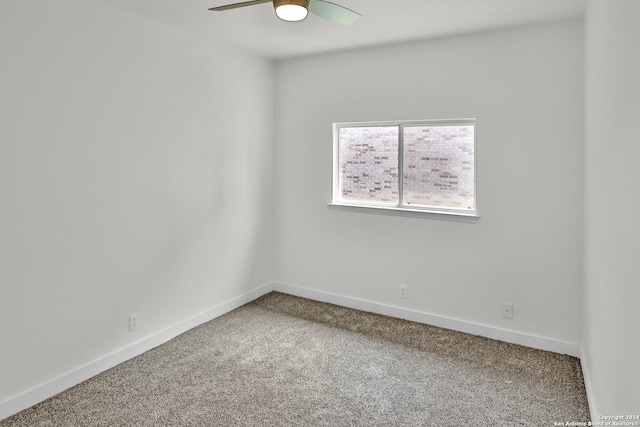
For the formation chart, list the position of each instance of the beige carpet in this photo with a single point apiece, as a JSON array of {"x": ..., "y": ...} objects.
[{"x": 287, "y": 361}]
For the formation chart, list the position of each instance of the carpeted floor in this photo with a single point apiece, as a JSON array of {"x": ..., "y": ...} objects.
[{"x": 288, "y": 361}]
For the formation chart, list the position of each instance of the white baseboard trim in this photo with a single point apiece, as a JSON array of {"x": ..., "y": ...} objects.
[
  {"x": 434, "y": 320},
  {"x": 51, "y": 388},
  {"x": 588, "y": 385},
  {"x": 513, "y": 337}
]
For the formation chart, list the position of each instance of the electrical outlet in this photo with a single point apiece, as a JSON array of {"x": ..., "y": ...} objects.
[
  {"x": 404, "y": 291},
  {"x": 134, "y": 322},
  {"x": 507, "y": 311}
]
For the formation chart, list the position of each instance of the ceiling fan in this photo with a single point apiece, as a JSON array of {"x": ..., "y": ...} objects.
[{"x": 297, "y": 10}]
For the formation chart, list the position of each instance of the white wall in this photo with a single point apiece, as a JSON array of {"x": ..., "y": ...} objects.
[
  {"x": 135, "y": 177},
  {"x": 525, "y": 87},
  {"x": 130, "y": 182},
  {"x": 612, "y": 225}
]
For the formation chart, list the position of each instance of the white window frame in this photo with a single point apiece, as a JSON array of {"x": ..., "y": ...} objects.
[{"x": 402, "y": 209}]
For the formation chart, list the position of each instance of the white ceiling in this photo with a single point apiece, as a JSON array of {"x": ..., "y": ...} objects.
[{"x": 257, "y": 29}]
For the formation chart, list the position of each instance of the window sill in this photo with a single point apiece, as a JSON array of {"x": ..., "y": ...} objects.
[{"x": 412, "y": 213}]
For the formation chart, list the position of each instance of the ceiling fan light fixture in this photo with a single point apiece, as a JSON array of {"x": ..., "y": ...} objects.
[{"x": 291, "y": 10}]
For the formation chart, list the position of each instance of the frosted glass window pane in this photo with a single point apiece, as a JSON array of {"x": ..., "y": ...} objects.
[
  {"x": 369, "y": 164},
  {"x": 439, "y": 166}
]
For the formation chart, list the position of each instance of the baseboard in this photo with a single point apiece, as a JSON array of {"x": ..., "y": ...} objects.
[
  {"x": 434, "y": 320},
  {"x": 57, "y": 385},
  {"x": 453, "y": 324},
  {"x": 588, "y": 385}
]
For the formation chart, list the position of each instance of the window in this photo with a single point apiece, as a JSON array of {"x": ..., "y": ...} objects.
[{"x": 412, "y": 166}]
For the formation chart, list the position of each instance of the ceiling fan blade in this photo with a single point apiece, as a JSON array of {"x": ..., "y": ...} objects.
[
  {"x": 333, "y": 12},
  {"x": 237, "y": 5}
]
